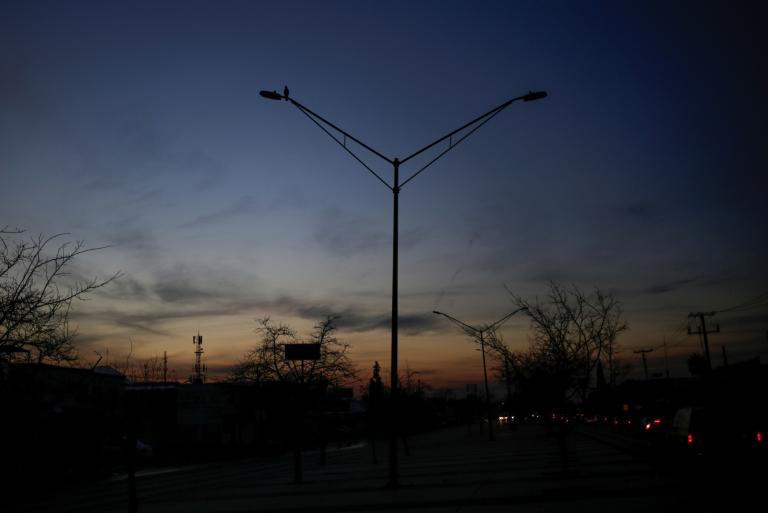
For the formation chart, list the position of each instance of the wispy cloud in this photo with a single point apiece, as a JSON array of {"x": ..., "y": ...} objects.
[
  {"x": 410, "y": 324},
  {"x": 126, "y": 287},
  {"x": 244, "y": 205},
  {"x": 755, "y": 320},
  {"x": 345, "y": 234},
  {"x": 177, "y": 299},
  {"x": 151, "y": 319},
  {"x": 713, "y": 279},
  {"x": 129, "y": 236},
  {"x": 670, "y": 286},
  {"x": 354, "y": 318}
]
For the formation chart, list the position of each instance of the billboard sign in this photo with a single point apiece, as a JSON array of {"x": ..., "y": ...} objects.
[{"x": 302, "y": 352}]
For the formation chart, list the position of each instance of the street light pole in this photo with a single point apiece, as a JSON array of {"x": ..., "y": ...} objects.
[
  {"x": 480, "y": 333},
  {"x": 487, "y": 391},
  {"x": 394, "y": 385},
  {"x": 330, "y": 128}
]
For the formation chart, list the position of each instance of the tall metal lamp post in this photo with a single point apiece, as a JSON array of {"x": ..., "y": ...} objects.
[
  {"x": 342, "y": 138},
  {"x": 480, "y": 333}
]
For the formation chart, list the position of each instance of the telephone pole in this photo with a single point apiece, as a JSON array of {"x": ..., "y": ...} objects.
[
  {"x": 642, "y": 352},
  {"x": 702, "y": 330}
]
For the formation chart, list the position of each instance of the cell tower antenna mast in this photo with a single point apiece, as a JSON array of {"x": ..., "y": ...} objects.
[{"x": 199, "y": 376}]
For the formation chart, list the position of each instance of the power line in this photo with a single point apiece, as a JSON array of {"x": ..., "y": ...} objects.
[
  {"x": 750, "y": 304},
  {"x": 678, "y": 336}
]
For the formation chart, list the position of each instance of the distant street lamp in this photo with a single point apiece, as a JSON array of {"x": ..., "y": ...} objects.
[
  {"x": 329, "y": 128},
  {"x": 480, "y": 333}
]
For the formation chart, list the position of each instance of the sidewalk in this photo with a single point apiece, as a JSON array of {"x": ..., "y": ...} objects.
[{"x": 450, "y": 470}]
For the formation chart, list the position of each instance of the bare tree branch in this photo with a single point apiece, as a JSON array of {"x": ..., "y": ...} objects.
[
  {"x": 34, "y": 302},
  {"x": 266, "y": 361},
  {"x": 572, "y": 332}
]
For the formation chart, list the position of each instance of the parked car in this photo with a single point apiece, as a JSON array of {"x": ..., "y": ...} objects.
[{"x": 717, "y": 432}]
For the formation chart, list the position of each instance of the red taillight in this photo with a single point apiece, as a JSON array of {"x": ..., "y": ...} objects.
[
  {"x": 654, "y": 422},
  {"x": 690, "y": 438},
  {"x": 759, "y": 437}
]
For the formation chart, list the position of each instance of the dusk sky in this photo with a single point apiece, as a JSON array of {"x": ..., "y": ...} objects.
[{"x": 139, "y": 125}]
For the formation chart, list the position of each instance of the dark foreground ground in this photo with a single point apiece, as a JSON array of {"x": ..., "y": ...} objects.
[{"x": 453, "y": 470}]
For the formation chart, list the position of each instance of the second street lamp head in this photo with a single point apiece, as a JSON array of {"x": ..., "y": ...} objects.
[
  {"x": 271, "y": 95},
  {"x": 534, "y": 95}
]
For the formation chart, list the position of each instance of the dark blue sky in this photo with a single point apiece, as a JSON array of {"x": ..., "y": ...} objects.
[{"x": 138, "y": 124}]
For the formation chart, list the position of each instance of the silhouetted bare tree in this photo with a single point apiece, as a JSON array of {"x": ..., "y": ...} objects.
[
  {"x": 36, "y": 293},
  {"x": 572, "y": 332},
  {"x": 150, "y": 370},
  {"x": 266, "y": 361}
]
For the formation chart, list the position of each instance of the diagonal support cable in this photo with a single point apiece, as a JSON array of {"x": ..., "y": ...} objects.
[
  {"x": 312, "y": 116},
  {"x": 454, "y": 144},
  {"x": 465, "y": 125},
  {"x": 346, "y": 134}
]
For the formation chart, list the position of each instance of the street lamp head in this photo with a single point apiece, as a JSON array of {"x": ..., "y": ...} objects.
[
  {"x": 534, "y": 95},
  {"x": 436, "y": 312},
  {"x": 272, "y": 95}
]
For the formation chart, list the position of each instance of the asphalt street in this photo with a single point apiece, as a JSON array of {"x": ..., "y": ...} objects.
[{"x": 452, "y": 470}]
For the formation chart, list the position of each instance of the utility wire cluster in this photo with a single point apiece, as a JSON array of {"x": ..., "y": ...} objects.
[{"x": 679, "y": 335}]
